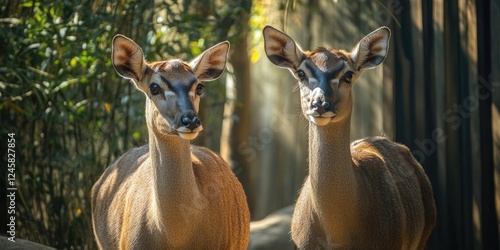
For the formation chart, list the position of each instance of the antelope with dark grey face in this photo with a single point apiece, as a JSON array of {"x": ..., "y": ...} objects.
[
  {"x": 371, "y": 194},
  {"x": 169, "y": 194},
  {"x": 177, "y": 97},
  {"x": 174, "y": 86}
]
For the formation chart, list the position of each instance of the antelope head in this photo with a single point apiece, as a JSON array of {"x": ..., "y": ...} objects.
[
  {"x": 172, "y": 87},
  {"x": 326, "y": 76}
]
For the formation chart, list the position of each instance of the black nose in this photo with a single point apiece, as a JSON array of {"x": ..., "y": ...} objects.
[
  {"x": 321, "y": 108},
  {"x": 191, "y": 123}
]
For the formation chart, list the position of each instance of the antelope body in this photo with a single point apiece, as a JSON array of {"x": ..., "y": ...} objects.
[
  {"x": 169, "y": 194},
  {"x": 371, "y": 194}
]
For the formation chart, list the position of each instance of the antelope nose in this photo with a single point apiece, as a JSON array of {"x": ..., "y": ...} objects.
[
  {"x": 321, "y": 107},
  {"x": 191, "y": 123}
]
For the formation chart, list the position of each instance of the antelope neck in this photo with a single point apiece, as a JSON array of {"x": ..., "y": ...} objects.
[
  {"x": 330, "y": 162},
  {"x": 173, "y": 175}
]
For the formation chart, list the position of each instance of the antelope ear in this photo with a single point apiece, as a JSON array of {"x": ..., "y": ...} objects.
[
  {"x": 128, "y": 58},
  {"x": 372, "y": 49},
  {"x": 281, "y": 49},
  {"x": 211, "y": 63}
]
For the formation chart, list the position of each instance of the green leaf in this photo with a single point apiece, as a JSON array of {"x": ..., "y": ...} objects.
[
  {"x": 73, "y": 62},
  {"x": 136, "y": 135}
]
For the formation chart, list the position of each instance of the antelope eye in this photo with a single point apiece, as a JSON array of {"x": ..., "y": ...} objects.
[
  {"x": 348, "y": 76},
  {"x": 301, "y": 74},
  {"x": 154, "y": 88},
  {"x": 199, "y": 89}
]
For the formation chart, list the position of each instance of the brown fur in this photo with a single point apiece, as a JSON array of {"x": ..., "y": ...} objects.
[
  {"x": 213, "y": 215},
  {"x": 371, "y": 194},
  {"x": 169, "y": 194}
]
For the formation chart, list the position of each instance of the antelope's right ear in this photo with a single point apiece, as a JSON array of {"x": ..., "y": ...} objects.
[
  {"x": 211, "y": 63},
  {"x": 128, "y": 58},
  {"x": 372, "y": 49},
  {"x": 281, "y": 49}
]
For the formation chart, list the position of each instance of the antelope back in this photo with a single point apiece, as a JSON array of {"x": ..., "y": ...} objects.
[
  {"x": 326, "y": 76},
  {"x": 173, "y": 87}
]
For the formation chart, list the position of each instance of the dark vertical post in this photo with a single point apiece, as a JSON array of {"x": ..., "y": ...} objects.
[
  {"x": 429, "y": 68},
  {"x": 489, "y": 226},
  {"x": 453, "y": 127}
]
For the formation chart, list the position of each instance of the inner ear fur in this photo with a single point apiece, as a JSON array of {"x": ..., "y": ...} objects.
[
  {"x": 372, "y": 49},
  {"x": 211, "y": 63},
  {"x": 128, "y": 58},
  {"x": 281, "y": 49}
]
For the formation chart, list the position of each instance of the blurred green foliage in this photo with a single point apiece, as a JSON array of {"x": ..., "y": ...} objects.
[{"x": 71, "y": 113}]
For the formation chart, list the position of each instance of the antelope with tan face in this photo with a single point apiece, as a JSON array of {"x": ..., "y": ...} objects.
[
  {"x": 371, "y": 194},
  {"x": 169, "y": 194}
]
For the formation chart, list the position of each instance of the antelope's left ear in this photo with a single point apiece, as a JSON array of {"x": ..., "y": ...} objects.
[
  {"x": 372, "y": 49},
  {"x": 211, "y": 63},
  {"x": 281, "y": 49},
  {"x": 128, "y": 58}
]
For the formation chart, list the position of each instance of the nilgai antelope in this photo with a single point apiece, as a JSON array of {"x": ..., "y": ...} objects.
[
  {"x": 371, "y": 194},
  {"x": 169, "y": 194}
]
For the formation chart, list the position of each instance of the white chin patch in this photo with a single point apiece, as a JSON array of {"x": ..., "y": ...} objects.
[
  {"x": 189, "y": 135},
  {"x": 320, "y": 121}
]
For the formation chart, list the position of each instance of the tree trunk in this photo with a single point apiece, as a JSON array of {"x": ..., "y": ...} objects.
[{"x": 236, "y": 126}]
